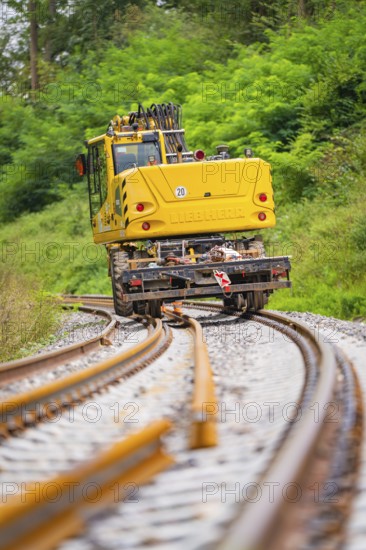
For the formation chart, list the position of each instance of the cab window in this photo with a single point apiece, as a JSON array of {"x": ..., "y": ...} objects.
[
  {"x": 130, "y": 155},
  {"x": 97, "y": 177}
]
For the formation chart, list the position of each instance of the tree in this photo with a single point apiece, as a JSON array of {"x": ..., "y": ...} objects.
[
  {"x": 49, "y": 30},
  {"x": 33, "y": 34}
]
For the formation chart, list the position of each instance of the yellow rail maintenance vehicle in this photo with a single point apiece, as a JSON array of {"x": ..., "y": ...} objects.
[{"x": 169, "y": 216}]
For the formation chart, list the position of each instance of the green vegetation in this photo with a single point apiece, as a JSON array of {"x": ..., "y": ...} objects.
[
  {"x": 327, "y": 236},
  {"x": 28, "y": 316},
  {"x": 328, "y": 264},
  {"x": 286, "y": 78},
  {"x": 55, "y": 246}
]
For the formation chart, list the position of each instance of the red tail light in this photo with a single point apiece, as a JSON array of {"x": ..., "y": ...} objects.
[
  {"x": 261, "y": 216},
  {"x": 146, "y": 226},
  {"x": 136, "y": 282},
  {"x": 199, "y": 154},
  {"x": 140, "y": 207},
  {"x": 263, "y": 197}
]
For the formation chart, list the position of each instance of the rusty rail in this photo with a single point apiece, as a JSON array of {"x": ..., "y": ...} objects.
[
  {"x": 204, "y": 406},
  {"x": 28, "y": 407},
  {"x": 260, "y": 524},
  {"x": 14, "y": 370},
  {"x": 90, "y": 299},
  {"x": 40, "y": 519},
  {"x": 255, "y": 526}
]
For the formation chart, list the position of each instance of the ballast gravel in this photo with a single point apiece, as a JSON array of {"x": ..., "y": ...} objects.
[
  {"x": 191, "y": 504},
  {"x": 78, "y": 327},
  {"x": 75, "y": 327},
  {"x": 258, "y": 376},
  {"x": 350, "y": 337}
]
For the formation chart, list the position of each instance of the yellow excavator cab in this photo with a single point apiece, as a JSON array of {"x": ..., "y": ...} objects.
[
  {"x": 164, "y": 213},
  {"x": 144, "y": 183}
]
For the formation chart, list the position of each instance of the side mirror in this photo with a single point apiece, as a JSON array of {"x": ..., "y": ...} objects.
[{"x": 80, "y": 164}]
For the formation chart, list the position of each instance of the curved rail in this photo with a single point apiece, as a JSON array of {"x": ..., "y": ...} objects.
[
  {"x": 204, "y": 406},
  {"x": 13, "y": 370},
  {"x": 90, "y": 299},
  {"x": 257, "y": 523},
  {"x": 42, "y": 518},
  {"x": 260, "y": 524},
  {"x": 28, "y": 407},
  {"x": 41, "y": 521},
  {"x": 266, "y": 523}
]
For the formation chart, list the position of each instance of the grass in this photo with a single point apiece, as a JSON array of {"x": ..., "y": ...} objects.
[
  {"x": 28, "y": 316},
  {"x": 55, "y": 247},
  {"x": 328, "y": 258}
]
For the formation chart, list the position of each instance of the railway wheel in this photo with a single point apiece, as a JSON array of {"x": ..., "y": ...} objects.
[
  {"x": 155, "y": 308},
  {"x": 140, "y": 306},
  {"x": 227, "y": 302},
  {"x": 119, "y": 264},
  {"x": 258, "y": 300},
  {"x": 250, "y": 301},
  {"x": 237, "y": 301}
]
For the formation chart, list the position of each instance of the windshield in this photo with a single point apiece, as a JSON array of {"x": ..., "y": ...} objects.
[{"x": 128, "y": 155}]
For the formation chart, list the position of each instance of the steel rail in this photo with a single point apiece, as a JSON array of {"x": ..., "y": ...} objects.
[
  {"x": 21, "y": 409},
  {"x": 258, "y": 524},
  {"x": 204, "y": 406},
  {"x": 14, "y": 370},
  {"x": 40, "y": 519},
  {"x": 98, "y": 300},
  {"x": 209, "y": 306}
]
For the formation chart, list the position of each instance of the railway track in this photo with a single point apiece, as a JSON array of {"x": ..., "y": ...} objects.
[
  {"x": 24, "y": 409},
  {"x": 15, "y": 370},
  {"x": 89, "y": 299},
  {"x": 37, "y": 522},
  {"x": 307, "y": 453},
  {"x": 330, "y": 385}
]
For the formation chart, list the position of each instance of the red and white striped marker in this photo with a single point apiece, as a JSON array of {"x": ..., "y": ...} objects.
[{"x": 222, "y": 278}]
